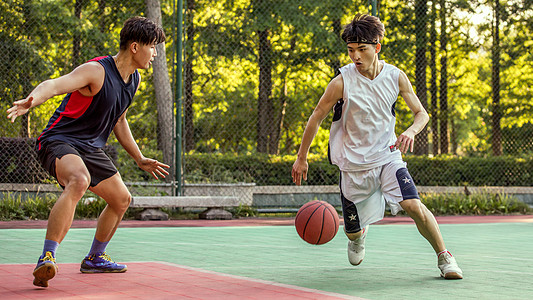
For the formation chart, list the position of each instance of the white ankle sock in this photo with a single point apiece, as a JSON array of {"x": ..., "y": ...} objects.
[{"x": 443, "y": 251}]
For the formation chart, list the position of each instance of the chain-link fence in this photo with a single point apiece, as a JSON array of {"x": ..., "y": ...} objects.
[
  {"x": 253, "y": 71},
  {"x": 47, "y": 39}
]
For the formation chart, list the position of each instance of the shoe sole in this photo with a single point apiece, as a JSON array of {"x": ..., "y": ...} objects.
[
  {"x": 357, "y": 263},
  {"x": 93, "y": 271},
  {"x": 44, "y": 273},
  {"x": 452, "y": 275}
]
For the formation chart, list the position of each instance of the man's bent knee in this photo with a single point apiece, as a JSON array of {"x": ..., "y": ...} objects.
[
  {"x": 121, "y": 203},
  {"x": 415, "y": 209},
  {"x": 127, "y": 201},
  {"x": 77, "y": 184}
]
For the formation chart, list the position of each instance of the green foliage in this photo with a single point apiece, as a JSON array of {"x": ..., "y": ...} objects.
[
  {"x": 128, "y": 168},
  {"x": 37, "y": 38},
  {"x": 13, "y": 169},
  {"x": 449, "y": 170},
  {"x": 14, "y": 207},
  {"x": 261, "y": 169},
  {"x": 89, "y": 208},
  {"x": 304, "y": 46},
  {"x": 243, "y": 211},
  {"x": 474, "y": 204},
  {"x": 471, "y": 171}
]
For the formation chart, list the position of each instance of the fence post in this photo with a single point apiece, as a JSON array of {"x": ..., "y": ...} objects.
[
  {"x": 179, "y": 27},
  {"x": 373, "y": 7}
]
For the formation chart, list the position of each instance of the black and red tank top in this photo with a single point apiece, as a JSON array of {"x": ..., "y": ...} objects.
[{"x": 86, "y": 122}]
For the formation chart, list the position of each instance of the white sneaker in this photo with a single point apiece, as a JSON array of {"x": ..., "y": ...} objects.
[
  {"x": 356, "y": 249},
  {"x": 448, "y": 266}
]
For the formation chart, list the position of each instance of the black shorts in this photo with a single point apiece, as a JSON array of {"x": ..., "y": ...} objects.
[{"x": 97, "y": 162}]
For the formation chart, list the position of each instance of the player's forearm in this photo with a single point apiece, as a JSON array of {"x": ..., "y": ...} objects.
[
  {"x": 125, "y": 138},
  {"x": 42, "y": 92},
  {"x": 420, "y": 121},
  {"x": 310, "y": 132}
]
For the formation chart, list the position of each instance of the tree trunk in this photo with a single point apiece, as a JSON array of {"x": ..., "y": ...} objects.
[
  {"x": 275, "y": 136},
  {"x": 188, "y": 113},
  {"x": 102, "y": 26},
  {"x": 453, "y": 136},
  {"x": 277, "y": 125},
  {"x": 421, "y": 145},
  {"x": 496, "y": 109},
  {"x": 336, "y": 63},
  {"x": 433, "y": 86},
  {"x": 76, "y": 39},
  {"x": 264, "y": 101},
  {"x": 163, "y": 93},
  {"x": 29, "y": 20},
  {"x": 101, "y": 12},
  {"x": 443, "y": 120}
]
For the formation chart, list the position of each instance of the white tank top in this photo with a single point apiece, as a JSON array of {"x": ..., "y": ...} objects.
[{"x": 362, "y": 131}]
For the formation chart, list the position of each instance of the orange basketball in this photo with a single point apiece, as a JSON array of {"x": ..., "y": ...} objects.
[{"x": 317, "y": 222}]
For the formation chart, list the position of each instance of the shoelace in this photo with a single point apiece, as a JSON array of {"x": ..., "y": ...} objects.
[
  {"x": 106, "y": 257},
  {"x": 48, "y": 256}
]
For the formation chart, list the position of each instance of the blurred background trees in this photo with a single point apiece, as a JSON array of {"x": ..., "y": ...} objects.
[{"x": 253, "y": 70}]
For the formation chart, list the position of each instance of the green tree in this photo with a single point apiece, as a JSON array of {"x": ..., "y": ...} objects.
[
  {"x": 495, "y": 82},
  {"x": 421, "y": 20},
  {"x": 277, "y": 44},
  {"x": 25, "y": 41}
]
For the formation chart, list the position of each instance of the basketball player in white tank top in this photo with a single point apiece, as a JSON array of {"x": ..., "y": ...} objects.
[{"x": 364, "y": 146}]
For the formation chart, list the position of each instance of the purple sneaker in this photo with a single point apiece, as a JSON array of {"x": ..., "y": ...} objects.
[
  {"x": 101, "y": 263},
  {"x": 45, "y": 270}
]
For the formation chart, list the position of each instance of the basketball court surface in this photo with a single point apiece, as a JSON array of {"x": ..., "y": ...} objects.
[{"x": 266, "y": 259}]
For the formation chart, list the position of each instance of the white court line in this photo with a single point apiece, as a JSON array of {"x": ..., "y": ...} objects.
[
  {"x": 470, "y": 270},
  {"x": 507, "y": 258}
]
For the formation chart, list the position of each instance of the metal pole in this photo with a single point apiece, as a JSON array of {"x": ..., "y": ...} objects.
[
  {"x": 373, "y": 6},
  {"x": 178, "y": 93}
]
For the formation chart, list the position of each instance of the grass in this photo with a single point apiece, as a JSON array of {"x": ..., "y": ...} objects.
[{"x": 14, "y": 207}]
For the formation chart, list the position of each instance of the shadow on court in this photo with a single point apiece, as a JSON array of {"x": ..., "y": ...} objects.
[{"x": 272, "y": 262}]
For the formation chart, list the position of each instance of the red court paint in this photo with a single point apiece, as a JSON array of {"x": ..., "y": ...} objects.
[{"x": 148, "y": 280}]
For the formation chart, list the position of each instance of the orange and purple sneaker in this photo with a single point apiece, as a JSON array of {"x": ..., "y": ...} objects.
[
  {"x": 101, "y": 263},
  {"x": 45, "y": 270}
]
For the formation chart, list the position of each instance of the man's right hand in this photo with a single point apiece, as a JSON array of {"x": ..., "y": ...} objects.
[
  {"x": 19, "y": 108},
  {"x": 299, "y": 170}
]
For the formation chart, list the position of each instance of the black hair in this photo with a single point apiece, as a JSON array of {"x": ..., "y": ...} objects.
[
  {"x": 141, "y": 30},
  {"x": 364, "y": 29}
]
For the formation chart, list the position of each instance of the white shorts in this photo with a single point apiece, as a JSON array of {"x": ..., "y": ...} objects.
[{"x": 364, "y": 193}]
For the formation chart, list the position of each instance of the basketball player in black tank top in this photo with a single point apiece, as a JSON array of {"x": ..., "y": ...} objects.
[{"x": 70, "y": 146}]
